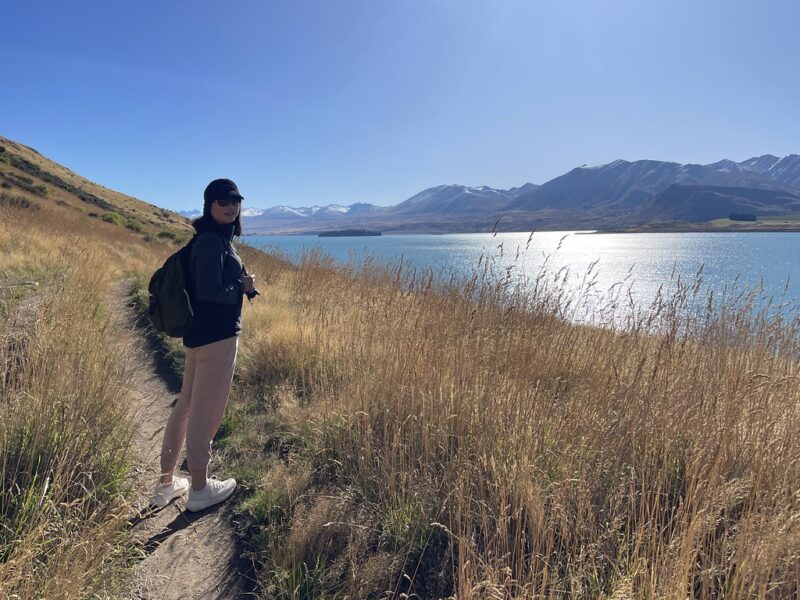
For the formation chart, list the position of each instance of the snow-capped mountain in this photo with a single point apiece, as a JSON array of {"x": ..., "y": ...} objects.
[
  {"x": 307, "y": 211},
  {"x": 615, "y": 194},
  {"x": 460, "y": 200},
  {"x": 252, "y": 212},
  {"x": 785, "y": 170},
  {"x": 759, "y": 164},
  {"x": 247, "y": 212}
]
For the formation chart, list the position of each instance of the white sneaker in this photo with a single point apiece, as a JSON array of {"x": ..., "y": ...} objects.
[
  {"x": 216, "y": 491},
  {"x": 166, "y": 493}
]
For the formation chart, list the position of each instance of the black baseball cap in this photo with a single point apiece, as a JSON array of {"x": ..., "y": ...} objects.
[{"x": 221, "y": 189}]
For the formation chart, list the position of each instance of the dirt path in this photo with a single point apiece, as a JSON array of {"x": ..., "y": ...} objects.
[{"x": 186, "y": 555}]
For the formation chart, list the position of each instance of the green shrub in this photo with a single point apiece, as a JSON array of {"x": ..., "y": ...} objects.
[
  {"x": 110, "y": 217},
  {"x": 134, "y": 225}
]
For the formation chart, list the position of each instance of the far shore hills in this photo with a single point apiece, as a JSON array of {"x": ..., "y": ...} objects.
[
  {"x": 774, "y": 224},
  {"x": 643, "y": 195}
]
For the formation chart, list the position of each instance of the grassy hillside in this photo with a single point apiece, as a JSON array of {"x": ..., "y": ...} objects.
[
  {"x": 66, "y": 245},
  {"x": 64, "y": 430},
  {"x": 401, "y": 438},
  {"x": 32, "y": 181}
]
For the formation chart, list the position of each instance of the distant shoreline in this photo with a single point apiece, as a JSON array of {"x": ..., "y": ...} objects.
[
  {"x": 350, "y": 233},
  {"x": 705, "y": 229},
  {"x": 666, "y": 228}
]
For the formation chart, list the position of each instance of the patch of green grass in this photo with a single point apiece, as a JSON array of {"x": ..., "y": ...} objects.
[
  {"x": 134, "y": 225},
  {"x": 282, "y": 443},
  {"x": 249, "y": 473},
  {"x": 268, "y": 506},
  {"x": 302, "y": 582},
  {"x": 167, "y": 234},
  {"x": 111, "y": 217},
  {"x": 403, "y": 527},
  {"x": 232, "y": 422}
]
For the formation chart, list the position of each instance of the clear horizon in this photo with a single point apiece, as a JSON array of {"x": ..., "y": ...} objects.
[{"x": 317, "y": 103}]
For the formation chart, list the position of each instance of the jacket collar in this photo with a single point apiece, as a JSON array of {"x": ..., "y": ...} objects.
[{"x": 209, "y": 225}]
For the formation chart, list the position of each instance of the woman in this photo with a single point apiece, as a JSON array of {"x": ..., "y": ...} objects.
[{"x": 219, "y": 282}]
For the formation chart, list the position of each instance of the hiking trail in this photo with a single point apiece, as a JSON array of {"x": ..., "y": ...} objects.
[{"x": 185, "y": 555}]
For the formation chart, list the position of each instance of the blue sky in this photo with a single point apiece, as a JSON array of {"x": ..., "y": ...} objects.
[{"x": 314, "y": 102}]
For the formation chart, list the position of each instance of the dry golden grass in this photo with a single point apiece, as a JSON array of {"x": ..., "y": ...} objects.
[
  {"x": 509, "y": 453},
  {"x": 64, "y": 430}
]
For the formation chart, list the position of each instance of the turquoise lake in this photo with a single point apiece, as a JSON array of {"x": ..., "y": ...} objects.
[{"x": 592, "y": 266}]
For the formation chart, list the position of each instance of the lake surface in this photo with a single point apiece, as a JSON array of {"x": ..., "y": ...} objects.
[{"x": 585, "y": 263}]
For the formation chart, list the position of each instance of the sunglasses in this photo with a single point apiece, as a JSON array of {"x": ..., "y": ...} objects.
[{"x": 228, "y": 201}]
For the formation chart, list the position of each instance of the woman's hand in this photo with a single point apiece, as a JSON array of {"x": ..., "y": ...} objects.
[{"x": 249, "y": 282}]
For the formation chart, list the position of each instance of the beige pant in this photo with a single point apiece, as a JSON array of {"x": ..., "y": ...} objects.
[{"x": 197, "y": 415}]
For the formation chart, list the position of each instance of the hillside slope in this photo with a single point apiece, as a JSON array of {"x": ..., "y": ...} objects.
[
  {"x": 28, "y": 178},
  {"x": 698, "y": 203}
]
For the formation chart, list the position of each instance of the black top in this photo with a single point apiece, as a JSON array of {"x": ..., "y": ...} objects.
[{"x": 216, "y": 271}]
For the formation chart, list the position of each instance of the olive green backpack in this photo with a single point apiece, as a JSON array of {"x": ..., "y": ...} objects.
[{"x": 170, "y": 287}]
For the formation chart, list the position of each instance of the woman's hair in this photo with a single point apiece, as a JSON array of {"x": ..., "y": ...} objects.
[{"x": 237, "y": 224}]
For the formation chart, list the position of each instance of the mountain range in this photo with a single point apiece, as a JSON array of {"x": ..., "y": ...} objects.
[{"x": 618, "y": 194}]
